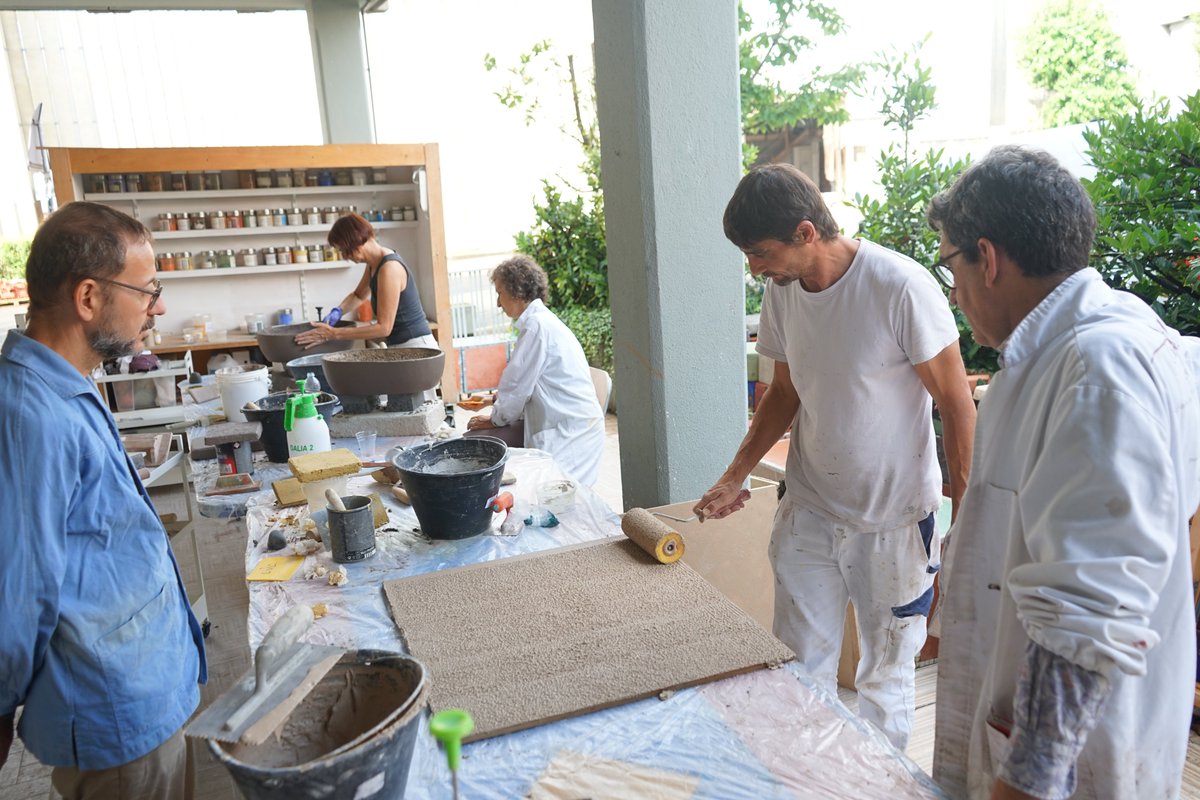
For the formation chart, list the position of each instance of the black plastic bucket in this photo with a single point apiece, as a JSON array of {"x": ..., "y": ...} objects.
[
  {"x": 352, "y": 736},
  {"x": 450, "y": 483},
  {"x": 270, "y": 413}
]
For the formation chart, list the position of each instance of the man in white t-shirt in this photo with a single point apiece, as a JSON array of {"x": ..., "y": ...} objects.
[{"x": 862, "y": 338}]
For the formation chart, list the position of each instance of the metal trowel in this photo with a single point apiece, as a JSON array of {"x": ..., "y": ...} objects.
[{"x": 285, "y": 671}]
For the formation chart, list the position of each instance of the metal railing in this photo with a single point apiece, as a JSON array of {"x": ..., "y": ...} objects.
[{"x": 473, "y": 308}]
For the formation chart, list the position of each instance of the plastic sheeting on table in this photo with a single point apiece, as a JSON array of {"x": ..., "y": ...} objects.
[{"x": 765, "y": 734}]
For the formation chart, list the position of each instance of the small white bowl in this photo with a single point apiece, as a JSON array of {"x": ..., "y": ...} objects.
[{"x": 556, "y": 496}]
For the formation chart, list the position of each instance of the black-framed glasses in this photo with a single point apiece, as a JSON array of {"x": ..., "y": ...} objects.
[
  {"x": 941, "y": 270},
  {"x": 154, "y": 294}
]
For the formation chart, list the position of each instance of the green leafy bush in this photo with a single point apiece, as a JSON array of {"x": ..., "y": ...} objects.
[
  {"x": 1147, "y": 196},
  {"x": 593, "y": 328},
  {"x": 13, "y": 255},
  {"x": 567, "y": 239}
]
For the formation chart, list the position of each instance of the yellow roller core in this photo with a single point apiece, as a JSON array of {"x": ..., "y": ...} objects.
[{"x": 650, "y": 534}]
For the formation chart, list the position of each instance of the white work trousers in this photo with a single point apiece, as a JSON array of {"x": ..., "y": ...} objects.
[{"x": 887, "y": 575}]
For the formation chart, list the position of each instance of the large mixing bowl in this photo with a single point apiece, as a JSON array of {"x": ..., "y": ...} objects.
[
  {"x": 397, "y": 370},
  {"x": 278, "y": 346}
]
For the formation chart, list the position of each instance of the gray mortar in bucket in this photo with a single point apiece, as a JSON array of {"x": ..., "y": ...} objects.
[
  {"x": 352, "y": 735},
  {"x": 451, "y": 482}
]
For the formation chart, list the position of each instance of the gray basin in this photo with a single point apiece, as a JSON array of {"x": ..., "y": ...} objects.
[
  {"x": 398, "y": 370},
  {"x": 300, "y": 367},
  {"x": 277, "y": 345}
]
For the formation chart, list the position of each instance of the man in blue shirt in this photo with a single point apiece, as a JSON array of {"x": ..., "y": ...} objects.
[{"x": 98, "y": 642}]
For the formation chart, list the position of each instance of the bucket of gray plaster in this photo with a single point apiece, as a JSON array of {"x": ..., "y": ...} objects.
[
  {"x": 352, "y": 532},
  {"x": 351, "y": 737},
  {"x": 451, "y": 482}
]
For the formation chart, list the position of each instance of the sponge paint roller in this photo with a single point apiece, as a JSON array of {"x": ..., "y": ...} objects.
[{"x": 652, "y": 535}]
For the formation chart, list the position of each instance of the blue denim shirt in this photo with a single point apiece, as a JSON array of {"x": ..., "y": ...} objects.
[{"x": 98, "y": 641}]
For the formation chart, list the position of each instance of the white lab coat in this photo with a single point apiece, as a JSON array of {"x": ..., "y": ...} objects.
[
  {"x": 549, "y": 384},
  {"x": 1074, "y": 533}
]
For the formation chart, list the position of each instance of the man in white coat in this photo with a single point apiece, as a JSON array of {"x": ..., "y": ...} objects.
[{"x": 1068, "y": 643}]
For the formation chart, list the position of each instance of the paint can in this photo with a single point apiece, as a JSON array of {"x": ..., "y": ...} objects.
[
  {"x": 351, "y": 737},
  {"x": 234, "y": 457},
  {"x": 352, "y": 532}
]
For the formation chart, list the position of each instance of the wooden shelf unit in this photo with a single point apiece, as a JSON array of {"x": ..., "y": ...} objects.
[{"x": 413, "y": 178}]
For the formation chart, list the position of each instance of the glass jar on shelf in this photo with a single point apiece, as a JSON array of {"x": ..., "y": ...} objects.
[
  {"x": 248, "y": 258},
  {"x": 358, "y": 177},
  {"x": 226, "y": 259},
  {"x": 324, "y": 178},
  {"x": 183, "y": 222},
  {"x": 295, "y": 217},
  {"x": 396, "y": 214},
  {"x": 262, "y": 179},
  {"x": 312, "y": 216},
  {"x": 283, "y": 255},
  {"x": 199, "y": 221},
  {"x": 249, "y": 218},
  {"x": 166, "y": 262},
  {"x": 133, "y": 182},
  {"x": 379, "y": 175},
  {"x": 212, "y": 180},
  {"x": 166, "y": 222},
  {"x": 299, "y": 254},
  {"x": 178, "y": 182},
  {"x": 342, "y": 178},
  {"x": 265, "y": 217},
  {"x": 184, "y": 261},
  {"x": 216, "y": 220},
  {"x": 279, "y": 217},
  {"x": 315, "y": 254},
  {"x": 268, "y": 257},
  {"x": 233, "y": 219},
  {"x": 115, "y": 183},
  {"x": 154, "y": 182},
  {"x": 329, "y": 215},
  {"x": 283, "y": 178},
  {"x": 195, "y": 181},
  {"x": 299, "y": 177},
  {"x": 330, "y": 253},
  {"x": 245, "y": 179},
  {"x": 95, "y": 184}
]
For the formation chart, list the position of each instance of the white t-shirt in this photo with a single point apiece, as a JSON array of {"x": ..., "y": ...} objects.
[{"x": 862, "y": 448}]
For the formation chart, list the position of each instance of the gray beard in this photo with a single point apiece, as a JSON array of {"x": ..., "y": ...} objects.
[{"x": 110, "y": 346}]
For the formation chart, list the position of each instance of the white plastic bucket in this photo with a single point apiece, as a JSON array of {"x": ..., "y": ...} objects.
[{"x": 240, "y": 385}]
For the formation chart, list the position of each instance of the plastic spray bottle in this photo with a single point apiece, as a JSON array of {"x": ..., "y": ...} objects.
[{"x": 306, "y": 428}]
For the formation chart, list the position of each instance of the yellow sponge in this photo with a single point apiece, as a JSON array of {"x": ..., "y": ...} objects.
[
  {"x": 319, "y": 466},
  {"x": 288, "y": 492}
]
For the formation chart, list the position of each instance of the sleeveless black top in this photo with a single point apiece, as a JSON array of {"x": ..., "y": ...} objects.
[{"x": 410, "y": 316}]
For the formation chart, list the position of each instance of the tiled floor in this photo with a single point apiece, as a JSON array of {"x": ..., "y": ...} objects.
[{"x": 222, "y": 544}]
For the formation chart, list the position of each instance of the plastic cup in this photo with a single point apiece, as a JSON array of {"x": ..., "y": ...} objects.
[{"x": 366, "y": 445}]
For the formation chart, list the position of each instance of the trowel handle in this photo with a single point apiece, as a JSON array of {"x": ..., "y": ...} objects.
[
  {"x": 334, "y": 501},
  {"x": 278, "y": 641}
]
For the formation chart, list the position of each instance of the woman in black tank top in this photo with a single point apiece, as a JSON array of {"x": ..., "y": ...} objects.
[{"x": 387, "y": 282}]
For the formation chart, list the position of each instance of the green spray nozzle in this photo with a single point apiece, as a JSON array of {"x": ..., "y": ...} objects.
[
  {"x": 450, "y": 727},
  {"x": 298, "y": 406}
]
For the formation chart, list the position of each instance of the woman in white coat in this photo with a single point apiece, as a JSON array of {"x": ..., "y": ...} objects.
[{"x": 547, "y": 382}]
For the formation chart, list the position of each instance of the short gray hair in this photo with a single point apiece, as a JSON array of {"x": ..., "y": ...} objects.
[{"x": 522, "y": 278}]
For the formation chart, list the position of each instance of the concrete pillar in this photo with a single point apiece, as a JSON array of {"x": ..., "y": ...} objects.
[
  {"x": 343, "y": 74},
  {"x": 667, "y": 89}
]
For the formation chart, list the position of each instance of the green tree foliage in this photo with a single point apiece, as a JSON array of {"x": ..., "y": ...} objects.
[
  {"x": 13, "y": 255},
  {"x": 770, "y": 98},
  {"x": 1073, "y": 55},
  {"x": 1147, "y": 196},
  {"x": 910, "y": 181},
  {"x": 593, "y": 328}
]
